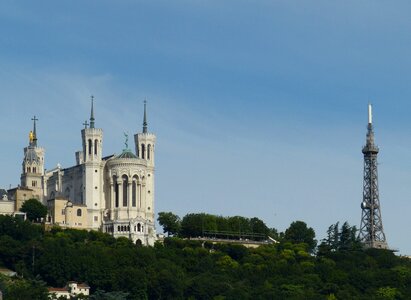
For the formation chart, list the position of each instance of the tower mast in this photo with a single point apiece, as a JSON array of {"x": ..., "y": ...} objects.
[{"x": 371, "y": 230}]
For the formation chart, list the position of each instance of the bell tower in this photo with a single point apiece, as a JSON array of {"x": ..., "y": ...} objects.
[
  {"x": 145, "y": 142},
  {"x": 92, "y": 140},
  {"x": 145, "y": 151},
  {"x": 33, "y": 165}
]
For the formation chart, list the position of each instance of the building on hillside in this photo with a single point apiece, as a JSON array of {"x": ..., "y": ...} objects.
[
  {"x": 70, "y": 291},
  {"x": 64, "y": 213},
  {"x": 19, "y": 195},
  {"x": 7, "y": 207},
  {"x": 114, "y": 194}
]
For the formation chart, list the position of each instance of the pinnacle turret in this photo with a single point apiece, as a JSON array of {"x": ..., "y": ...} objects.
[
  {"x": 145, "y": 117},
  {"x": 33, "y": 135},
  {"x": 92, "y": 113}
]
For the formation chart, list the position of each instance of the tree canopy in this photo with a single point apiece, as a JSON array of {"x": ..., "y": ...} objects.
[
  {"x": 170, "y": 222},
  {"x": 34, "y": 210},
  {"x": 186, "y": 269},
  {"x": 299, "y": 232}
]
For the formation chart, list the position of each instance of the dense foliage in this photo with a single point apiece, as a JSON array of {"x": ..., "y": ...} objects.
[
  {"x": 186, "y": 269},
  {"x": 202, "y": 224},
  {"x": 34, "y": 210}
]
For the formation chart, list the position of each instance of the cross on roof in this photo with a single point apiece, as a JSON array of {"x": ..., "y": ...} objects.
[{"x": 85, "y": 124}]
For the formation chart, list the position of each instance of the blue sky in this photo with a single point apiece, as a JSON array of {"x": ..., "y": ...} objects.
[{"x": 260, "y": 107}]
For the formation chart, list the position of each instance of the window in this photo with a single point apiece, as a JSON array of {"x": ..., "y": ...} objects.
[
  {"x": 143, "y": 151},
  {"x": 95, "y": 218},
  {"x": 34, "y": 183},
  {"x": 34, "y": 170},
  {"x": 138, "y": 227},
  {"x": 63, "y": 212},
  {"x": 148, "y": 151},
  {"x": 79, "y": 212},
  {"x": 95, "y": 146},
  {"x": 28, "y": 170},
  {"x": 90, "y": 144},
  {"x": 116, "y": 191},
  {"x": 125, "y": 189}
]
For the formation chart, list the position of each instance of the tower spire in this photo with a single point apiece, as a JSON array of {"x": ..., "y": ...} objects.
[
  {"x": 369, "y": 113},
  {"x": 371, "y": 230},
  {"x": 145, "y": 117},
  {"x": 92, "y": 112},
  {"x": 34, "y": 139}
]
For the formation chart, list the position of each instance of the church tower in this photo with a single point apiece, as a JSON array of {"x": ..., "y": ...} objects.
[
  {"x": 33, "y": 165},
  {"x": 371, "y": 230},
  {"x": 92, "y": 139},
  {"x": 145, "y": 150}
]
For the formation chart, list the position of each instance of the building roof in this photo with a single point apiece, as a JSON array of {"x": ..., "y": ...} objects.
[
  {"x": 108, "y": 157},
  {"x": 31, "y": 155},
  {"x": 53, "y": 289},
  {"x": 7, "y": 272},
  {"x": 126, "y": 154}
]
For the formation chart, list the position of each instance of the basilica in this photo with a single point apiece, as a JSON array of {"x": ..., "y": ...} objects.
[{"x": 113, "y": 194}]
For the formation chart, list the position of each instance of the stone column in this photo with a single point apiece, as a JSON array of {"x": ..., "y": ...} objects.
[
  {"x": 120, "y": 193},
  {"x": 143, "y": 192},
  {"x": 139, "y": 196}
]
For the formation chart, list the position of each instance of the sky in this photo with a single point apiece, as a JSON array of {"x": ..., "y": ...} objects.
[{"x": 259, "y": 107}]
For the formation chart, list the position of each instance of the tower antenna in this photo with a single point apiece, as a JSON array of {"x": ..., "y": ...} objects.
[{"x": 371, "y": 230}]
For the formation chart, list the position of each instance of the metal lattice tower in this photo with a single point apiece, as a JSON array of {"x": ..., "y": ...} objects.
[{"x": 371, "y": 230}]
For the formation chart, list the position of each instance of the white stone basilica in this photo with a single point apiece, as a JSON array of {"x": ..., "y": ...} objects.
[{"x": 114, "y": 194}]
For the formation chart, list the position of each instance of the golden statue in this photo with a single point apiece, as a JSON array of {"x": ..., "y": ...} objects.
[{"x": 31, "y": 136}]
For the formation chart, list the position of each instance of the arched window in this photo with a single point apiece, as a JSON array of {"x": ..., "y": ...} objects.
[
  {"x": 138, "y": 227},
  {"x": 95, "y": 146},
  {"x": 125, "y": 189},
  {"x": 90, "y": 144},
  {"x": 143, "y": 151},
  {"x": 118, "y": 228},
  {"x": 134, "y": 192},
  {"x": 34, "y": 170},
  {"x": 128, "y": 228},
  {"x": 148, "y": 151},
  {"x": 79, "y": 212},
  {"x": 115, "y": 191}
]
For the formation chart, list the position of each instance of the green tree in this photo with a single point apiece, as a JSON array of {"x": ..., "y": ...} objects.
[
  {"x": 170, "y": 222},
  {"x": 34, "y": 210},
  {"x": 298, "y": 232},
  {"x": 21, "y": 289}
]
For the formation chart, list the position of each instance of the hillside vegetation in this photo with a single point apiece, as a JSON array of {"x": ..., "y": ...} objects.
[{"x": 184, "y": 269}]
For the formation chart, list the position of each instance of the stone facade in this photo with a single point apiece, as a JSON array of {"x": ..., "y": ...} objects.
[{"x": 115, "y": 194}]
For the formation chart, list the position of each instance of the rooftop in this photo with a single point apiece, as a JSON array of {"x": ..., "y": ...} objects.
[{"x": 127, "y": 154}]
